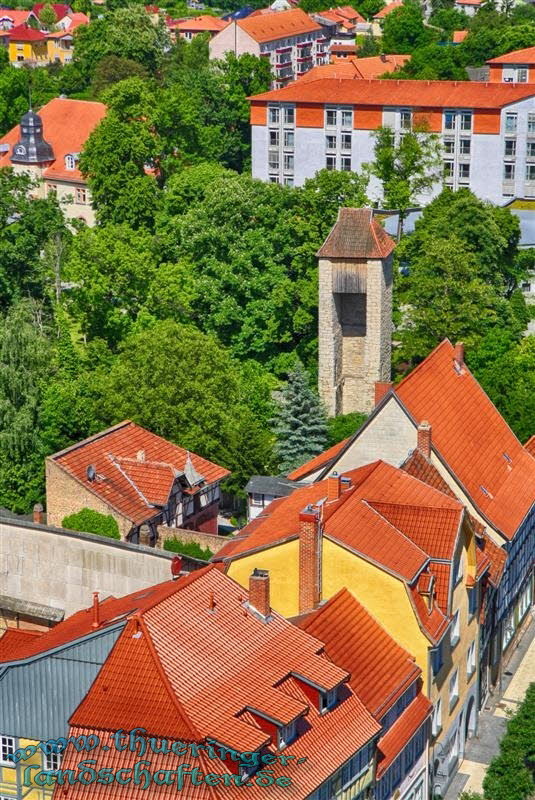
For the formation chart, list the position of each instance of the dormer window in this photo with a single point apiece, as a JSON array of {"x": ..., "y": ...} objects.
[
  {"x": 328, "y": 699},
  {"x": 70, "y": 161},
  {"x": 287, "y": 734}
]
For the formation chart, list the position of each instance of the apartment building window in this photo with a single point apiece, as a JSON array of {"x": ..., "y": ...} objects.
[
  {"x": 455, "y": 629},
  {"x": 449, "y": 146},
  {"x": 274, "y": 179},
  {"x": 330, "y": 117},
  {"x": 7, "y": 748},
  {"x": 289, "y": 138},
  {"x": 530, "y": 172},
  {"x": 288, "y": 180},
  {"x": 330, "y": 162},
  {"x": 510, "y": 148},
  {"x": 437, "y": 658},
  {"x": 464, "y": 147},
  {"x": 458, "y": 569},
  {"x": 449, "y": 120},
  {"x": 405, "y": 120},
  {"x": 471, "y": 660},
  {"x": 522, "y": 75},
  {"x": 345, "y": 164},
  {"x": 436, "y": 721},
  {"x": 274, "y": 138},
  {"x": 466, "y": 121},
  {"x": 508, "y": 172},
  {"x": 511, "y": 121},
  {"x": 289, "y": 115},
  {"x": 454, "y": 688},
  {"x": 531, "y": 150},
  {"x": 273, "y": 160},
  {"x": 330, "y": 142},
  {"x": 346, "y": 141},
  {"x": 274, "y": 115},
  {"x": 508, "y": 629},
  {"x": 288, "y": 162},
  {"x": 464, "y": 172},
  {"x": 531, "y": 123},
  {"x": 448, "y": 170},
  {"x": 347, "y": 118}
]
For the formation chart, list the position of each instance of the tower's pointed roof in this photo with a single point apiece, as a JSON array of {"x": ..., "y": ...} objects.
[
  {"x": 356, "y": 234},
  {"x": 31, "y": 147}
]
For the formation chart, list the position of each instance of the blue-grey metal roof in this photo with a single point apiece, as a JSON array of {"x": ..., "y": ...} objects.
[{"x": 271, "y": 485}]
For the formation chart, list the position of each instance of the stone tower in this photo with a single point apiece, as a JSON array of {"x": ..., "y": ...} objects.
[{"x": 355, "y": 311}]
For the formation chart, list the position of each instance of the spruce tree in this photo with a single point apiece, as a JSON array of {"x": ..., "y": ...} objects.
[{"x": 300, "y": 423}]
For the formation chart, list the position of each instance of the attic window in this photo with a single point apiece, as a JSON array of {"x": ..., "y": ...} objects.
[{"x": 70, "y": 161}]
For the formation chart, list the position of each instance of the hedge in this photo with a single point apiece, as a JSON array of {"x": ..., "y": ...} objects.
[
  {"x": 188, "y": 549},
  {"x": 89, "y": 521},
  {"x": 511, "y": 774}
]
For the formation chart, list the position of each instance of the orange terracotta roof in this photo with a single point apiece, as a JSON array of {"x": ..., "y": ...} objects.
[
  {"x": 442, "y": 575},
  {"x": 402, "y": 731},
  {"x": 204, "y": 669},
  {"x": 468, "y": 2},
  {"x": 14, "y": 640},
  {"x": 356, "y": 234},
  {"x": 530, "y": 445},
  {"x": 125, "y": 482},
  {"x": 435, "y": 530},
  {"x": 203, "y": 23},
  {"x": 66, "y": 126},
  {"x": 433, "y": 621},
  {"x": 459, "y": 36},
  {"x": 75, "y": 20},
  {"x": 317, "y": 462},
  {"x": 278, "y": 25},
  {"x": 472, "y": 438},
  {"x": 380, "y": 669},
  {"x": 353, "y": 67},
  {"x": 343, "y": 15},
  {"x": 23, "y": 33},
  {"x": 421, "y": 94},
  {"x": 496, "y": 556},
  {"x": 525, "y": 56},
  {"x": 16, "y": 16},
  {"x": 384, "y": 12}
]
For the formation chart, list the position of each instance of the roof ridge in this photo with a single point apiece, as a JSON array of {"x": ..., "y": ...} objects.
[
  {"x": 427, "y": 556},
  {"x": 96, "y": 436}
]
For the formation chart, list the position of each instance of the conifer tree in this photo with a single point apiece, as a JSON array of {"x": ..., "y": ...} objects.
[{"x": 300, "y": 423}]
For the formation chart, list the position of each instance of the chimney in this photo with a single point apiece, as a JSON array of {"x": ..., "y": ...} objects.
[
  {"x": 383, "y": 57},
  {"x": 334, "y": 486},
  {"x": 424, "y": 439},
  {"x": 459, "y": 354},
  {"x": 38, "y": 514},
  {"x": 144, "y": 535},
  {"x": 140, "y": 456},
  {"x": 259, "y": 592},
  {"x": 309, "y": 559},
  {"x": 381, "y": 388},
  {"x": 96, "y": 611}
]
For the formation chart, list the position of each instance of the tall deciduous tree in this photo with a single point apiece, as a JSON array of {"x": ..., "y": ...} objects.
[
  {"x": 300, "y": 424},
  {"x": 404, "y": 29}
]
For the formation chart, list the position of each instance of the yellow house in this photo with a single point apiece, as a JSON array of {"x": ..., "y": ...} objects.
[
  {"x": 407, "y": 552},
  {"x": 12, "y": 778},
  {"x": 27, "y": 46}
]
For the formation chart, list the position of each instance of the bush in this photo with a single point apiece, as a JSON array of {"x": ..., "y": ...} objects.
[
  {"x": 89, "y": 521},
  {"x": 191, "y": 549},
  {"x": 344, "y": 425},
  {"x": 510, "y": 775}
]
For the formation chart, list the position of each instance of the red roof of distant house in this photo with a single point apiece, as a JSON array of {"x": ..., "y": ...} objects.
[
  {"x": 459, "y": 36},
  {"x": 353, "y": 67},
  {"x": 343, "y": 15},
  {"x": 202, "y": 23},
  {"x": 525, "y": 56},
  {"x": 23, "y": 33},
  {"x": 317, "y": 462},
  {"x": 422, "y": 94},
  {"x": 472, "y": 438},
  {"x": 380, "y": 669},
  {"x": 278, "y": 25},
  {"x": 60, "y": 9},
  {"x": 468, "y": 2},
  {"x": 202, "y": 670},
  {"x": 135, "y": 468},
  {"x": 16, "y": 16},
  {"x": 66, "y": 126},
  {"x": 402, "y": 731},
  {"x": 75, "y": 20},
  {"x": 384, "y": 12}
]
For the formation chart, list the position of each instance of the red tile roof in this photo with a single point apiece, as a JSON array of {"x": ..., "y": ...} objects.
[
  {"x": 203, "y": 23},
  {"x": 435, "y": 530},
  {"x": 14, "y": 640},
  {"x": 530, "y": 445},
  {"x": 23, "y": 33},
  {"x": 525, "y": 56},
  {"x": 60, "y": 9},
  {"x": 433, "y": 621},
  {"x": 421, "y": 94},
  {"x": 116, "y": 456},
  {"x": 75, "y": 20},
  {"x": 66, "y": 126},
  {"x": 384, "y": 12},
  {"x": 317, "y": 462},
  {"x": 356, "y": 234},
  {"x": 380, "y": 669},
  {"x": 16, "y": 16},
  {"x": 203, "y": 669},
  {"x": 459, "y": 36},
  {"x": 278, "y": 25},
  {"x": 472, "y": 438},
  {"x": 402, "y": 731}
]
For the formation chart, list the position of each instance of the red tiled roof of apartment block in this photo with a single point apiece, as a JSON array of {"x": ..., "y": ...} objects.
[
  {"x": 525, "y": 56},
  {"x": 421, "y": 94},
  {"x": 353, "y": 67},
  {"x": 317, "y": 462},
  {"x": 380, "y": 669},
  {"x": 384, "y": 12},
  {"x": 459, "y": 36},
  {"x": 402, "y": 731},
  {"x": 472, "y": 438},
  {"x": 66, "y": 127},
  {"x": 23, "y": 33},
  {"x": 14, "y": 640},
  {"x": 356, "y": 234},
  {"x": 278, "y": 25},
  {"x": 203, "y": 23},
  {"x": 135, "y": 469},
  {"x": 206, "y": 663}
]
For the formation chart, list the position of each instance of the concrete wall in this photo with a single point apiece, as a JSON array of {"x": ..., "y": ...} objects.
[
  {"x": 233, "y": 39},
  {"x": 60, "y": 568},
  {"x": 210, "y": 540}
]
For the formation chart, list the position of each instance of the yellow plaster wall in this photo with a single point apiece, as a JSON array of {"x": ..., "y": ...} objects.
[
  {"x": 8, "y": 776},
  {"x": 282, "y": 562}
]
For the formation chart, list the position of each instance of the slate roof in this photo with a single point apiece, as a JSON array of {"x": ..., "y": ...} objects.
[
  {"x": 135, "y": 469},
  {"x": 277, "y": 486},
  {"x": 356, "y": 234}
]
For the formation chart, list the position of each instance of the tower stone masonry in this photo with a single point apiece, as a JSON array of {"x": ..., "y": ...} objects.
[{"x": 355, "y": 311}]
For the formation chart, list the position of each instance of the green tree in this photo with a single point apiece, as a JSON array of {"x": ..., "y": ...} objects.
[
  {"x": 191, "y": 549},
  {"x": 449, "y": 20},
  {"x": 432, "y": 63},
  {"x": 300, "y": 423},
  {"x": 47, "y": 17},
  {"x": 112, "y": 69},
  {"x": 369, "y": 47},
  {"x": 88, "y": 521},
  {"x": 404, "y": 30},
  {"x": 343, "y": 426}
]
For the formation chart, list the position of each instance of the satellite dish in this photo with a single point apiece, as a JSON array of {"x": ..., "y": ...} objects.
[{"x": 91, "y": 473}]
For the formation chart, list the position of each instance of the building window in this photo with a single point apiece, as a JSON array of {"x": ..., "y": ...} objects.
[
  {"x": 436, "y": 722},
  {"x": 508, "y": 629},
  {"x": 508, "y": 172},
  {"x": 405, "y": 120},
  {"x": 448, "y": 170},
  {"x": 330, "y": 162},
  {"x": 455, "y": 629},
  {"x": 522, "y": 75},
  {"x": 287, "y": 734},
  {"x": 531, "y": 150},
  {"x": 273, "y": 161},
  {"x": 274, "y": 115},
  {"x": 81, "y": 195},
  {"x": 510, "y": 123},
  {"x": 454, "y": 688},
  {"x": 70, "y": 161},
  {"x": 289, "y": 115},
  {"x": 346, "y": 141},
  {"x": 274, "y": 179},
  {"x": 471, "y": 660},
  {"x": 458, "y": 570},
  {"x": 449, "y": 146},
  {"x": 288, "y": 180},
  {"x": 464, "y": 147},
  {"x": 288, "y": 162},
  {"x": 464, "y": 172},
  {"x": 531, "y": 123},
  {"x": 51, "y": 761},
  {"x": 472, "y": 593},
  {"x": 347, "y": 119},
  {"x": 437, "y": 659},
  {"x": 345, "y": 164},
  {"x": 330, "y": 142},
  {"x": 449, "y": 120},
  {"x": 466, "y": 121},
  {"x": 530, "y": 172},
  {"x": 273, "y": 138},
  {"x": 510, "y": 148},
  {"x": 330, "y": 117},
  {"x": 7, "y": 748},
  {"x": 257, "y": 499},
  {"x": 52, "y": 189},
  {"x": 289, "y": 138}
]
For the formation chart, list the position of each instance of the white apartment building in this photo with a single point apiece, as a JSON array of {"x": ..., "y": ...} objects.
[
  {"x": 487, "y": 130},
  {"x": 291, "y": 40}
]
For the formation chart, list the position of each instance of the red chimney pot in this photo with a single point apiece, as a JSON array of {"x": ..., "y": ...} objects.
[{"x": 96, "y": 611}]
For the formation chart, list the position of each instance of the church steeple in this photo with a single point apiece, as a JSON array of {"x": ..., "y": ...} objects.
[{"x": 32, "y": 147}]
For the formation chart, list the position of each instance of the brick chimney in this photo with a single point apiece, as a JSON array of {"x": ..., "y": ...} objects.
[
  {"x": 38, "y": 514},
  {"x": 424, "y": 439},
  {"x": 381, "y": 388},
  {"x": 334, "y": 486},
  {"x": 309, "y": 559},
  {"x": 259, "y": 592},
  {"x": 459, "y": 354},
  {"x": 96, "y": 611}
]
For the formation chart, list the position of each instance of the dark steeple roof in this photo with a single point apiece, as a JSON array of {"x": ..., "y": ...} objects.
[{"x": 31, "y": 147}]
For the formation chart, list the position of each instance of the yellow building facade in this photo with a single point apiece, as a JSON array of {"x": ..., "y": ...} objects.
[{"x": 13, "y": 777}]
